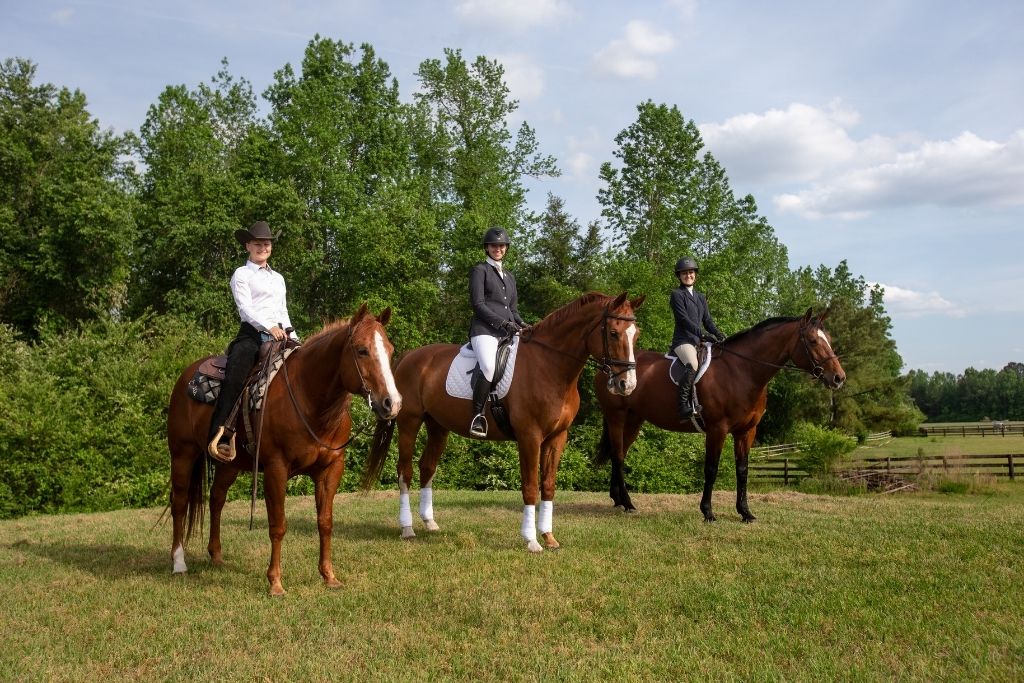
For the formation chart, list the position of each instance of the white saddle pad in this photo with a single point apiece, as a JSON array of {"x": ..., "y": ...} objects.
[
  {"x": 700, "y": 370},
  {"x": 461, "y": 369}
]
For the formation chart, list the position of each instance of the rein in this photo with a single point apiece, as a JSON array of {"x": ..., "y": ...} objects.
[
  {"x": 817, "y": 370},
  {"x": 606, "y": 362},
  {"x": 299, "y": 412}
]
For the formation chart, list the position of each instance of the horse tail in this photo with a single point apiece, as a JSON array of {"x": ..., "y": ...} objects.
[
  {"x": 604, "y": 447},
  {"x": 196, "y": 500},
  {"x": 378, "y": 453}
]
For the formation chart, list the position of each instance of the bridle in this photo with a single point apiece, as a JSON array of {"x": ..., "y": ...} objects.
[
  {"x": 607, "y": 362},
  {"x": 365, "y": 391},
  {"x": 817, "y": 369}
]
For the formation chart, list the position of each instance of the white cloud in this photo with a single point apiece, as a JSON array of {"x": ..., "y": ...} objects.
[
  {"x": 631, "y": 55},
  {"x": 581, "y": 155},
  {"x": 524, "y": 78},
  {"x": 512, "y": 14},
  {"x": 913, "y": 304},
  {"x": 964, "y": 171}
]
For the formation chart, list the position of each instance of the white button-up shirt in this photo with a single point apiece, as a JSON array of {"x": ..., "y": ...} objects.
[{"x": 260, "y": 296}]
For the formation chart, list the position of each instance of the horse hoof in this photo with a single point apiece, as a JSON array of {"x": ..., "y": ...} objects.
[
  {"x": 331, "y": 583},
  {"x": 710, "y": 519},
  {"x": 534, "y": 547},
  {"x": 430, "y": 525},
  {"x": 176, "y": 571},
  {"x": 620, "y": 506},
  {"x": 630, "y": 510},
  {"x": 749, "y": 519},
  {"x": 408, "y": 533},
  {"x": 549, "y": 541},
  {"x": 276, "y": 590}
]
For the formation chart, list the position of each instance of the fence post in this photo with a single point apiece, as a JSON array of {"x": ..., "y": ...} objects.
[
  {"x": 888, "y": 464},
  {"x": 1009, "y": 462},
  {"x": 963, "y": 431},
  {"x": 785, "y": 471}
]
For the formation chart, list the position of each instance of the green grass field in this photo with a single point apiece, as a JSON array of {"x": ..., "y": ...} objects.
[
  {"x": 908, "y": 446},
  {"x": 874, "y": 588}
]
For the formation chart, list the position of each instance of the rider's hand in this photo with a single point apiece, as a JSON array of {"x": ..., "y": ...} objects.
[{"x": 277, "y": 333}]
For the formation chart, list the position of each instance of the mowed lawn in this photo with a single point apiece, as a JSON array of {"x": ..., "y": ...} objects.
[{"x": 909, "y": 587}]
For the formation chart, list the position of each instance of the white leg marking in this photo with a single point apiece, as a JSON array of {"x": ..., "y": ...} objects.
[
  {"x": 427, "y": 509},
  {"x": 179, "y": 560},
  {"x": 630, "y": 375},
  {"x": 404, "y": 511},
  {"x": 544, "y": 521},
  {"x": 528, "y": 530}
]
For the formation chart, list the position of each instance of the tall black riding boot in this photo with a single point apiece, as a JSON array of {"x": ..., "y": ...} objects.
[
  {"x": 686, "y": 407},
  {"x": 478, "y": 427}
]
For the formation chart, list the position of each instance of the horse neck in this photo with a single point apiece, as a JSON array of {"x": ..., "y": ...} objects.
[
  {"x": 560, "y": 339},
  {"x": 319, "y": 370},
  {"x": 765, "y": 351}
]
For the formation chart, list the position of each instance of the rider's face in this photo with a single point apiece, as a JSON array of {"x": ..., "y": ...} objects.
[
  {"x": 497, "y": 251},
  {"x": 687, "y": 277},
  {"x": 259, "y": 251}
]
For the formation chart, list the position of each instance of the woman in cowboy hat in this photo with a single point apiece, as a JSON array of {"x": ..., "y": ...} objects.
[
  {"x": 259, "y": 293},
  {"x": 690, "y": 309},
  {"x": 493, "y": 295}
]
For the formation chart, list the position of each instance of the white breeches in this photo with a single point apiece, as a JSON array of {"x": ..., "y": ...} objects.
[
  {"x": 687, "y": 353},
  {"x": 486, "y": 349}
]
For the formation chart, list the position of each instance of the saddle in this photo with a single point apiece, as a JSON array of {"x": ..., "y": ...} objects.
[
  {"x": 205, "y": 383},
  {"x": 675, "y": 367}
]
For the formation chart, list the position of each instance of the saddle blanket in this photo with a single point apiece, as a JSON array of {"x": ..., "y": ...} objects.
[
  {"x": 675, "y": 371},
  {"x": 461, "y": 369}
]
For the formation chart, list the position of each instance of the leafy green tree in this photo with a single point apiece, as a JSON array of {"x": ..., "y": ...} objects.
[
  {"x": 66, "y": 205},
  {"x": 476, "y": 167},
  {"x": 362, "y": 227},
  {"x": 192, "y": 199},
  {"x": 666, "y": 200}
]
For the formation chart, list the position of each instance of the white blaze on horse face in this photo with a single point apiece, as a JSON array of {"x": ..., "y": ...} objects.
[
  {"x": 631, "y": 374},
  {"x": 827, "y": 345},
  {"x": 385, "y": 371}
]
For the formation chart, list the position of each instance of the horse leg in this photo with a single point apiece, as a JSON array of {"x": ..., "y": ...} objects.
[
  {"x": 223, "y": 478},
  {"x": 741, "y": 449},
  {"x": 275, "y": 481},
  {"x": 551, "y": 455},
  {"x": 629, "y": 433},
  {"x": 437, "y": 439},
  {"x": 186, "y": 482},
  {"x": 408, "y": 427},
  {"x": 712, "y": 454},
  {"x": 326, "y": 486},
  {"x": 529, "y": 469}
]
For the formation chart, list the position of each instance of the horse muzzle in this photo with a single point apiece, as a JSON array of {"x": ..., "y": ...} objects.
[
  {"x": 386, "y": 408},
  {"x": 622, "y": 384}
]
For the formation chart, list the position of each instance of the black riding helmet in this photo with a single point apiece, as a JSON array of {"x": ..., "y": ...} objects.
[
  {"x": 496, "y": 236},
  {"x": 686, "y": 264}
]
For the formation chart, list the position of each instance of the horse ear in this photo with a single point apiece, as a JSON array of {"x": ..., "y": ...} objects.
[
  {"x": 807, "y": 316},
  {"x": 384, "y": 316},
  {"x": 619, "y": 300},
  {"x": 638, "y": 302},
  {"x": 359, "y": 314},
  {"x": 824, "y": 314}
]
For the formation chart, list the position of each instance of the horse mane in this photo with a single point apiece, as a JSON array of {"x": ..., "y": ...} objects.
[
  {"x": 559, "y": 314},
  {"x": 769, "y": 322},
  {"x": 331, "y": 415}
]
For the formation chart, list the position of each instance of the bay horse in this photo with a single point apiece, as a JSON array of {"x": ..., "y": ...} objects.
[
  {"x": 733, "y": 391},
  {"x": 306, "y": 426},
  {"x": 541, "y": 403}
]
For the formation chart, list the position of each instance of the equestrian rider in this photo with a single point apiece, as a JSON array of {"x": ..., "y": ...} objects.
[
  {"x": 259, "y": 293},
  {"x": 492, "y": 293},
  {"x": 690, "y": 309}
]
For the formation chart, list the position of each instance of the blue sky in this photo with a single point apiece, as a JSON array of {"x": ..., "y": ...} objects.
[{"x": 887, "y": 133}]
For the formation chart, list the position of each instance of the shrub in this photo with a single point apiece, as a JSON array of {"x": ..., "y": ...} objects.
[{"x": 822, "y": 449}]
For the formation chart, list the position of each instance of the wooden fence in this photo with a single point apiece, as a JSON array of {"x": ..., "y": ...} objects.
[
  {"x": 980, "y": 429},
  {"x": 787, "y": 471}
]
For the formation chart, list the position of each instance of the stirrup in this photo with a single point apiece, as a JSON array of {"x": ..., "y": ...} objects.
[
  {"x": 220, "y": 451},
  {"x": 476, "y": 431}
]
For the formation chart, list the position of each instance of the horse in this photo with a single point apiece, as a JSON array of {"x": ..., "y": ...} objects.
[
  {"x": 541, "y": 403},
  {"x": 306, "y": 427},
  {"x": 733, "y": 391}
]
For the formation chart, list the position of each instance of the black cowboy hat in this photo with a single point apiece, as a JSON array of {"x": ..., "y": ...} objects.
[{"x": 257, "y": 231}]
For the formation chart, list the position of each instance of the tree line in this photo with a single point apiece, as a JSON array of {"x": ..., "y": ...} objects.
[
  {"x": 975, "y": 395},
  {"x": 384, "y": 201}
]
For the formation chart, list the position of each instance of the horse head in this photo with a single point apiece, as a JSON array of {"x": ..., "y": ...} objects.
[
  {"x": 612, "y": 341},
  {"x": 814, "y": 352},
  {"x": 371, "y": 352}
]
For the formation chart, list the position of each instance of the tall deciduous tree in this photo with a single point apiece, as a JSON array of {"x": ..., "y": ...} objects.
[
  {"x": 476, "y": 165},
  {"x": 666, "y": 200},
  {"x": 66, "y": 203}
]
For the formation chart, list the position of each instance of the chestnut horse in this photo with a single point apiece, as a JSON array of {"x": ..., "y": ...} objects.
[
  {"x": 306, "y": 426},
  {"x": 541, "y": 403},
  {"x": 733, "y": 391}
]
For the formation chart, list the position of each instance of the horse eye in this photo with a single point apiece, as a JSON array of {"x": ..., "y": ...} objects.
[
  {"x": 363, "y": 351},
  {"x": 614, "y": 334}
]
